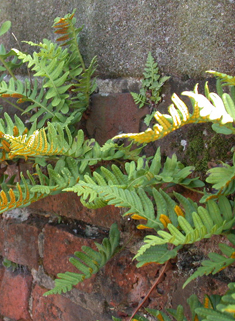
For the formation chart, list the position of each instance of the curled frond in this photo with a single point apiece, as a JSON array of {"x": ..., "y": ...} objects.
[{"x": 213, "y": 110}]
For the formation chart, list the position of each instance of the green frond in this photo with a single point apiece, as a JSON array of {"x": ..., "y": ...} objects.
[
  {"x": 139, "y": 99},
  {"x": 8, "y": 65},
  {"x": 155, "y": 254},
  {"x": 84, "y": 87},
  {"x": 88, "y": 262},
  {"x": 217, "y": 262},
  {"x": 226, "y": 79},
  {"x": 227, "y": 303},
  {"x": 222, "y": 179},
  {"x": 189, "y": 227},
  {"x": 55, "y": 77}
]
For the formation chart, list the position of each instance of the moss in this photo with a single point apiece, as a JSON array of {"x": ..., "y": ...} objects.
[
  {"x": 205, "y": 147},
  {"x": 197, "y": 153}
]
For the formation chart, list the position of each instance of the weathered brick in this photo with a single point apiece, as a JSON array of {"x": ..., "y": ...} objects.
[
  {"x": 69, "y": 205},
  {"x": 21, "y": 242},
  {"x": 59, "y": 246},
  {"x": 131, "y": 283},
  {"x": 111, "y": 114},
  {"x": 1, "y": 236},
  {"x": 14, "y": 295},
  {"x": 58, "y": 307}
]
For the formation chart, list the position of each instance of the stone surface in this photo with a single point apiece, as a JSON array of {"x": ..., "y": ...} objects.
[
  {"x": 14, "y": 295},
  {"x": 186, "y": 37}
]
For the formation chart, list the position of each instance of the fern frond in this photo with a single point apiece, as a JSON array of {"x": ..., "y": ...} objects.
[
  {"x": 20, "y": 196},
  {"x": 139, "y": 99},
  {"x": 222, "y": 179},
  {"x": 204, "y": 110},
  {"x": 55, "y": 77},
  {"x": 192, "y": 227},
  {"x": 88, "y": 262},
  {"x": 217, "y": 262},
  {"x": 84, "y": 87},
  {"x": 6, "y": 64},
  {"x": 156, "y": 254},
  {"x": 227, "y": 303},
  {"x": 142, "y": 173},
  {"x": 226, "y": 79}
]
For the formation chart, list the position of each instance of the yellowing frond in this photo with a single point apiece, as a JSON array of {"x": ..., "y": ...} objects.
[
  {"x": 175, "y": 116},
  {"x": 12, "y": 197},
  {"x": 159, "y": 317},
  {"x": 4, "y": 200},
  {"x": 179, "y": 211},
  {"x": 162, "y": 120},
  {"x": 207, "y": 303},
  {"x": 137, "y": 217},
  {"x": 15, "y": 131},
  {"x": 142, "y": 227},
  {"x": 164, "y": 219},
  {"x": 33, "y": 145},
  {"x": 203, "y": 111}
]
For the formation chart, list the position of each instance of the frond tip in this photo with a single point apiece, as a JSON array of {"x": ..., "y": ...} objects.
[
  {"x": 88, "y": 262},
  {"x": 214, "y": 110}
]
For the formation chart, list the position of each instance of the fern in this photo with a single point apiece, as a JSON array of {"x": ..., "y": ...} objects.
[
  {"x": 142, "y": 173},
  {"x": 7, "y": 65},
  {"x": 57, "y": 140},
  {"x": 226, "y": 79},
  {"x": 157, "y": 254},
  {"x": 222, "y": 179},
  {"x": 217, "y": 262},
  {"x": 204, "y": 110},
  {"x": 188, "y": 227},
  {"x": 222, "y": 309},
  {"x": 150, "y": 92},
  {"x": 83, "y": 83},
  {"x": 66, "y": 84},
  {"x": 89, "y": 262}
]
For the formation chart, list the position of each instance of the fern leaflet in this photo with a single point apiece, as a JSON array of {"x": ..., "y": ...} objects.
[
  {"x": 88, "y": 262},
  {"x": 217, "y": 262},
  {"x": 204, "y": 110}
]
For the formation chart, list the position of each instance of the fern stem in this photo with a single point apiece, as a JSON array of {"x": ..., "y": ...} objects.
[
  {"x": 192, "y": 189},
  {"x": 163, "y": 270},
  {"x": 7, "y": 68},
  {"x": 77, "y": 49},
  {"x": 12, "y": 104}
]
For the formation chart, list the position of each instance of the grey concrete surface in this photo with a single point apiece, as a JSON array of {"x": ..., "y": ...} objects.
[{"x": 186, "y": 37}]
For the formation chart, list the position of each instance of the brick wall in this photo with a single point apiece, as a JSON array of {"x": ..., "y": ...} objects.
[{"x": 42, "y": 237}]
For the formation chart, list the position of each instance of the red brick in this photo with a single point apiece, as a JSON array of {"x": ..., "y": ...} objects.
[
  {"x": 1, "y": 236},
  {"x": 57, "y": 307},
  {"x": 14, "y": 295},
  {"x": 111, "y": 114},
  {"x": 21, "y": 243},
  {"x": 59, "y": 246},
  {"x": 69, "y": 205},
  {"x": 133, "y": 283}
]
